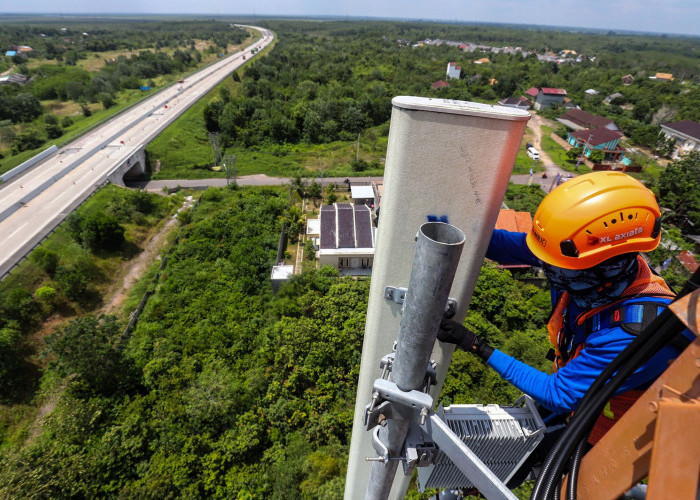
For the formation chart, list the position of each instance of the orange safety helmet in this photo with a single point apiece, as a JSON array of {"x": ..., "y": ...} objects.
[{"x": 592, "y": 218}]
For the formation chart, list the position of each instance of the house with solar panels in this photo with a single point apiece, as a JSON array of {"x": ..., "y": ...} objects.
[{"x": 347, "y": 238}]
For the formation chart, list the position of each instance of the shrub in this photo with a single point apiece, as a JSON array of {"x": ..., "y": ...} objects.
[
  {"x": 72, "y": 281},
  {"x": 47, "y": 295},
  {"x": 97, "y": 231},
  {"x": 46, "y": 259},
  {"x": 309, "y": 250}
]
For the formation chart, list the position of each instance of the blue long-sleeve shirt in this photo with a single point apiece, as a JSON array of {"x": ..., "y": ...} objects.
[{"x": 562, "y": 391}]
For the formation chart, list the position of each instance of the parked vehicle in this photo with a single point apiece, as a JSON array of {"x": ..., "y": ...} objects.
[{"x": 533, "y": 153}]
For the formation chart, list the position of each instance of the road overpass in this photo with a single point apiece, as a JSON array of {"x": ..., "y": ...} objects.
[{"x": 33, "y": 204}]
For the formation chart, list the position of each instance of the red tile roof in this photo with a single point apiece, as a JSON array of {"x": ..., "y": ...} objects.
[
  {"x": 510, "y": 220},
  {"x": 586, "y": 120},
  {"x": 687, "y": 127},
  {"x": 597, "y": 136},
  {"x": 688, "y": 260},
  {"x": 440, "y": 84},
  {"x": 552, "y": 91}
]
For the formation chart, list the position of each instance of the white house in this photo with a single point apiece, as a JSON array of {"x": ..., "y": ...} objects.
[
  {"x": 686, "y": 133},
  {"x": 362, "y": 195},
  {"x": 453, "y": 71},
  {"x": 347, "y": 238}
]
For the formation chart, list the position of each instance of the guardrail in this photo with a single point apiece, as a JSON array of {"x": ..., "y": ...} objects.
[
  {"x": 31, "y": 161},
  {"x": 39, "y": 238}
]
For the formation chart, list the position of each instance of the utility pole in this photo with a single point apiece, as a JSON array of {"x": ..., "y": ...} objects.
[{"x": 447, "y": 161}]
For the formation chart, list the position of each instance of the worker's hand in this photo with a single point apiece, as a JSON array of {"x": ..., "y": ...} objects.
[{"x": 455, "y": 333}]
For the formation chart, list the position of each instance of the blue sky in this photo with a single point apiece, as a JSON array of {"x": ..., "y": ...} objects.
[{"x": 661, "y": 16}]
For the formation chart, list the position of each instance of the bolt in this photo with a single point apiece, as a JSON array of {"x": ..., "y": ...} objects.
[
  {"x": 423, "y": 415},
  {"x": 654, "y": 406}
]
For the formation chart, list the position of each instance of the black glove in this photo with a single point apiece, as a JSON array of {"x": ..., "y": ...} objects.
[{"x": 456, "y": 333}]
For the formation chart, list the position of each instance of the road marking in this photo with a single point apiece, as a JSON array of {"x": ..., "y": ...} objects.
[{"x": 17, "y": 230}]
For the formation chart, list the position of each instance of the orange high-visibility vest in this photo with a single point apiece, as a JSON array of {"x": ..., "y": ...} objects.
[{"x": 645, "y": 284}]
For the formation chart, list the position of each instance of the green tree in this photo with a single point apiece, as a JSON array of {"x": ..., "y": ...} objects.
[
  {"x": 574, "y": 153},
  {"x": 25, "y": 140},
  {"x": 96, "y": 231},
  {"x": 72, "y": 281},
  {"x": 46, "y": 259},
  {"x": 597, "y": 156},
  {"x": 679, "y": 191},
  {"x": 88, "y": 349},
  {"x": 10, "y": 358},
  {"x": 315, "y": 191},
  {"x": 21, "y": 307}
]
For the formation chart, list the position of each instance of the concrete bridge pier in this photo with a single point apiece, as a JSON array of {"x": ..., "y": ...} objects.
[{"x": 133, "y": 166}]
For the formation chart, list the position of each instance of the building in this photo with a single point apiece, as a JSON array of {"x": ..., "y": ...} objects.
[
  {"x": 601, "y": 139},
  {"x": 362, "y": 195},
  {"x": 686, "y": 133},
  {"x": 592, "y": 92},
  {"x": 483, "y": 60},
  {"x": 453, "y": 71},
  {"x": 578, "y": 119},
  {"x": 280, "y": 274},
  {"x": 13, "y": 78},
  {"x": 547, "y": 97},
  {"x": 440, "y": 84},
  {"x": 667, "y": 77},
  {"x": 347, "y": 238},
  {"x": 532, "y": 92},
  {"x": 627, "y": 79},
  {"x": 515, "y": 102},
  {"x": 313, "y": 232}
]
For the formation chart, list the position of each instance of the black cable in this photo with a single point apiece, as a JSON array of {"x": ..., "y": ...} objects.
[
  {"x": 635, "y": 355},
  {"x": 659, "y": 333},
  {"x": 579, "y": 452}
]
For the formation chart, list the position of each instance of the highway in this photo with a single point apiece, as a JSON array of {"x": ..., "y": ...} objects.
[{"x": 33, "y": 204}]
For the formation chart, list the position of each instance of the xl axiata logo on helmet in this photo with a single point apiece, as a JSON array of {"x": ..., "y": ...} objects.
[
  {"x": 542, "y": 241},
  {"x": 622, "y": 236}
]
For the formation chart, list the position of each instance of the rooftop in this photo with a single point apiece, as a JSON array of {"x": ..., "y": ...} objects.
[
  {"x": 687, "y": 127},
  {"x": 586, "y": 120},
  {"x": 553, "y": 91},
  {"x": 510, "y": 220},
  {"x": 597, "y": 136},
  {"x": 346, "y": 226},
  {"x": 361, "y": 192}
]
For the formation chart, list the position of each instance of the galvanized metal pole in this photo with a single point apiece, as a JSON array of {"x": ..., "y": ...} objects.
[
  {"x": 438, "y": 248},
  {"x": 446, "y": 161}
]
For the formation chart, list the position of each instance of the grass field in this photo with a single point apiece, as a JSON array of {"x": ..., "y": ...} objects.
[{"x": 558, "y": 153}]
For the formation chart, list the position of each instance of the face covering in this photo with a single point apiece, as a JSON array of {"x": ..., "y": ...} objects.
[{"x": 595, "y": 286}]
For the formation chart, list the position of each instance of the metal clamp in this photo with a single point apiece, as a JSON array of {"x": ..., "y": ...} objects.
[{"x": 398, "y": 295}]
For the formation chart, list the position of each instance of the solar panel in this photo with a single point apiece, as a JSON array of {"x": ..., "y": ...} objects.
[
  {"x": 346, "y": 226},
  {"x": 328, "y": 229},
  {"x": 363, "y": 226}
]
